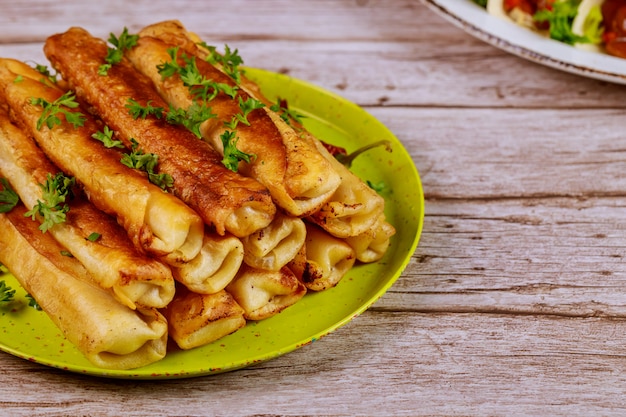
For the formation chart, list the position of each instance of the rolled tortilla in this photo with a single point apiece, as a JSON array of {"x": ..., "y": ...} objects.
[
  {"x": 353, "y": 209},
  {"x": 323, "y": 261},
  {"x": 299, "y": 179},
  {"x": 111, "y": 259},
  {"x": 156, "y": 222},
  {"x": 263, "y": 293},
  {"x": 109, "y": 334},
  {"x": 198, "y": 319},
  {"x": 225, "y": 200},
  {"x": 214, "y": 267},
  {"x": 372, "y": 245},
  {"x": 274, "y": 246}
]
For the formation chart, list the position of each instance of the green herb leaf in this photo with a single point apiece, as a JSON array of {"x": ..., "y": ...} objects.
[
  {"x": 6, "y": 293},
  {"x": 106, "y": 137},
  {"x": 45, "y": 71},
  {"x": 232, "y": 155},
  {"x": 53, "y": 208},
  {"x": 33, "y": 303},
  {"x": 199, "y": 87},
  {"x": 8, "y": 197},
  {"x": 378, "y": 187},
  {"x": 115, "y": 55},
  {"x": 137, "y": 110},
  {"x": 58, "y": 106},
  {"x": 247, "y": 107},
  {"x": 229, "y": 60},
  {"x": 192, "y": 118},
  {"x": 285, "y": 112},
  {"x": 146, "y": 162},
  {"x": 93, "y": 237}
]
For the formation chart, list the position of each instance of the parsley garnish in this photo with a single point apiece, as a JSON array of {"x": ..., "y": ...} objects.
[
  {"x": 52, "y": 209},
  {"x": 199, "y": 87},
  {"x": 33, "y": 303},
  {"x": 51, "y": 110},
  {"x": 232, "y": 155},
  {"x": 8, "y": 197},
  {"x": 93, "y": 236},
  {"x": 192, "y": 118},
  {"x": 229, "y": 60},
  {"x": 114, "y": 55},
  {"x": 378, "y": 187},
  {"x": 43, "y": 70},
  {"x": 137, "y": 110},
  {"x": 106, "y": 137},
  {"x": 285, "y": 112},
  {"x": 147, "y": 162},
  {"x": 246, "y": 108},
  {"x": 6, "y": 292}
]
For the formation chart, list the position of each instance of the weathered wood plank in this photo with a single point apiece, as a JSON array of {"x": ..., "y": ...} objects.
[
  {"x": 381, "y": 364},
  {"x": 365, "y": 53}
]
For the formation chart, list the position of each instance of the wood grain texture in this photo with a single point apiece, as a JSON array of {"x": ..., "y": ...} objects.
[{"x": 514, "y": 302}]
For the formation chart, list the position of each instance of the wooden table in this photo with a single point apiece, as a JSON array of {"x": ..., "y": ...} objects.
[{"x": 514, "y": 302}]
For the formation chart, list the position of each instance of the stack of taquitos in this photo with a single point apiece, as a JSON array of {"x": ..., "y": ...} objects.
[{"x": 242, "y": 258}]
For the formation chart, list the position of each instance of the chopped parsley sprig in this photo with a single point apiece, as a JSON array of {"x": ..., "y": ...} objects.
[
  {"x": 114, "y": 55},
  {"x": 137, "y": 111},
  {"x": 232, "y": 156},
  {"x": 147, "y": 162},
  {"x": 6, "y": 293},
  {"x": 106, "y": 137},
  {"x": 199, "y": 86},
  {"x": 192, "y": 118},
  {"x": 230, "y": 60},
  {"x": 55, "y": 192},
  {"x": 287, "y": 114},
  {"x": 50, "y": 113},
  {"x": 8, "y": 197}
]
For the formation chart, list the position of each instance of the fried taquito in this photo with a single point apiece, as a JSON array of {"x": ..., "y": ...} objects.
[
  {"x": 215, "y": 266},
  {"x": 197, "y": 319},
  {"x": 157, "y": 222},
  {"x": 298, "y": 177},
  {"x": 323, "y": 261},
  {"x": 263, "y": 293},
  {"x": 110, "y": 257},
  {"x": 226, "y": 201},
  {"x": 109, "y": 334},
  {"x": 275, "y": 245},
  {"x": 372, "y": 245},
  {"x": 354, "y": 208}
]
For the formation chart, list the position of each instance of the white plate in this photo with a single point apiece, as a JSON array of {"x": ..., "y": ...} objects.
[{"x": 527, "y": 44}]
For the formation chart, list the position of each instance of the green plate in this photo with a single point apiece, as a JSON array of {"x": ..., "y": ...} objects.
[{"x": 29, "y": 334}]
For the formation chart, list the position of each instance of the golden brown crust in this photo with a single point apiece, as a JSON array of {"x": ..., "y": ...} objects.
[
  {"x": 200, "y": 179},
  {"x": 139, "y": 206},
  {"x": 109, "y": 334},
  {"x": 112, "y": 259},
  {"x": 263, "y": 293},
  {"x": 197, "y": 319},
  {"x": 298, "y": 177}
]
